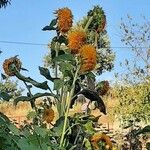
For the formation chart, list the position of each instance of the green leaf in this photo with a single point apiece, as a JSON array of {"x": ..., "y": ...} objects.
[
  {"x": 51, "y": 26},
  {"x": 5, "y": 96},
  {"x": 58, "y": 127},
  {"x": 14, "y": 129},
  {"x": 4, "y": 119},
  {"x": 66, "y": 68},
  {"x": 26, "y": 98},
  {"x": 87, "y": 144},
  {"x": 21, "y": 98},
  {"x": 53, "y": 23},
  {"x": 45, "y": 72},
  {"x": 3, "y": 76},
  {"x": 89, "y": 127},
  {"x": 31, "y": 115},
  {"x": 40, "y": 131},
  {"x": 144, "y": 130},
  {"x": 58, "y": 83},
  {"x": 42, "y": 85},
  {"x": 62, "y": 39},
  {"x": 64, "y": 57}
]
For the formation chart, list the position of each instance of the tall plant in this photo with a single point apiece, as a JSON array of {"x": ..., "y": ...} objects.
[{"x": 74, "y": 61}]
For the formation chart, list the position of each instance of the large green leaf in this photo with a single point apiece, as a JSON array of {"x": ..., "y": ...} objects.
[
  {"x": 58, "y": 83},
  {"x": 5, "y": 96},
  {"x": 40, "y": 131},
  {"x": 42, "y": 85},
  {"x": 34, "y": 97},
  {"x": 64, "y": 57}
]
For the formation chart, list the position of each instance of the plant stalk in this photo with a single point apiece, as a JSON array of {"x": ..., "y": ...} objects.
[{"x": 69, "y": 96}]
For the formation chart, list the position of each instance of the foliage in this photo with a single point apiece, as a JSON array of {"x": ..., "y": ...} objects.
[
  {"x": 9, "y": 88},
  {"x": 105, "y": 56},
  {"x": 74, "y": 74},
  {"x": 133, "y": 90}
]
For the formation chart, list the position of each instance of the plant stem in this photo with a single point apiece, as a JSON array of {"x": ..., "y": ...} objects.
[
  {"x": 69, "y": 96},
  {"x": 88, "y": 23}
]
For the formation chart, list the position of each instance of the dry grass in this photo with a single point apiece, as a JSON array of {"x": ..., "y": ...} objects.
[{"x": 23, "y": 108}]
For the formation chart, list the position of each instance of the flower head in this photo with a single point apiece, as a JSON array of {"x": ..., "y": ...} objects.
[
  {"x": 102, "y": 87},
  {"x": 64, "y": 21},
  {"x": 48, "y": 115},
  {"x": 76, "y": 39},
  {"x": 97, "y": 137},
  {"x": 88, "y": 58},
  {"x": 7, "y": 65},
  {"x": 99, "y": 19}
]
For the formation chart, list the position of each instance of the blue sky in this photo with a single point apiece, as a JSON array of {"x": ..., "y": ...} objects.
[{"x": 23, "y": 20}]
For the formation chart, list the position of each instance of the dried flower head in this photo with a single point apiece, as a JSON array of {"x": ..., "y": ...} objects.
[
  {"x": 7, "y": 65},
  {"x": 48, "y": 115},
  {"x": 97, "y": 137},
  {"x": 76, "y": 39},
  {"x": 102, "y": 87},
  {"x": 88, "y": 58},
  {"x": 64, "y": 21}
]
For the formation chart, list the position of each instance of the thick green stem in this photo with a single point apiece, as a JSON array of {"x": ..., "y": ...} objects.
[
  {"x": 88, "y": 23},
  {"x": 69, "y": 96}
]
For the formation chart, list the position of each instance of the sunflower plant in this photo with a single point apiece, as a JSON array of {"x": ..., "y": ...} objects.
[{"x": 74, "y": 62}]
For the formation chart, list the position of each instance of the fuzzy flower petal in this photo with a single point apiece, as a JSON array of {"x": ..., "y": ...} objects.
[
  {"x": 64, "y": 21},
  {"x": 88, "y": 58},
  {"x": 76, "y": 39}
]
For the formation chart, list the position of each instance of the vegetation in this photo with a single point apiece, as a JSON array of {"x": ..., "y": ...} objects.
[
  {"x": 75, "y": 61},
  {"x": 77, "y": 54}
]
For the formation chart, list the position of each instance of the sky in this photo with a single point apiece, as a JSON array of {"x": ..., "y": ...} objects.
[{"x": 23, "y": 20}]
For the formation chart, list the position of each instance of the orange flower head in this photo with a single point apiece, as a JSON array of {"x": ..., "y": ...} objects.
[
  {"x": 64, "y": 21},
  {"x": 76, "y": 39},
  {"x": 7, "y": 65},
  {"x": 88, "y": 58},
  {"x": 97, "y": 137},
  {"x": 48, "y": 115}
]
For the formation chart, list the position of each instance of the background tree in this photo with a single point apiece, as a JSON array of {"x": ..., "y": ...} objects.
[{"x": 134, "y": 91}]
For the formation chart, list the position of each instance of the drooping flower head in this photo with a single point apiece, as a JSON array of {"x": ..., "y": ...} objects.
[
  {"x": 97, "y": 137},
  {"x": 88, "y": 58},
  {"x": 76, "y": 38},
  {"x": 102, "y": 87},
  {"x": 64, "y": 19},
  {"x": 48, "y": 115},
  {"x": 8, "y": 63},
  {"x": 99, "y": 19}
]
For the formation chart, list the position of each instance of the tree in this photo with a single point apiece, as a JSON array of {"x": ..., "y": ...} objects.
[
  {"x": 133, "y": 92},
  {"x": 10, "y": 87}
]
